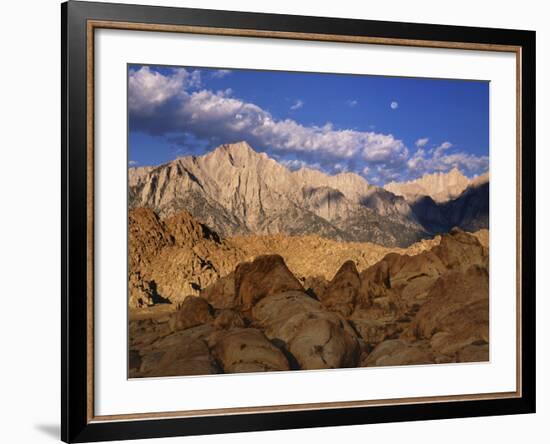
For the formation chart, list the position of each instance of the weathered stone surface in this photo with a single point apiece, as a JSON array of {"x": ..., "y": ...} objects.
[
  {"x": 376, "y": 280},
  {"x": 439, "y": 186},
  {"x": 188, "y": 358},
  {"x": 173, "y": 339},
  {"x": 473, "y": 353},
  {"x": 443, "y": 200},
  {"x": 342, "y": 291},
  {"x": 416, "y": 274},
  {"x": 134, "y": 363},
  {"x": 264, "y": 276},
  {"x": 483, "y": 237},
  {"x": 429, "y": 305},
  {"x": 180, "y": 255},
  {"x": 181, "y": 353},
  {"x": 397, "y": 352},
  {"x": 315, "y": 286},
  {"x": 373, "y": 331},
  {"x": 221, "y": 294},
  {"x": 140, "y": 293},
  {"x": 316, "y": 337},
  {"x": 228, "y": 319},
  {"x": 143, "y": 293},
  {"x": 459, "y": 250},
  {"x": 248, "y": 350},
  {"x": 193, "y": 311},
  {"x": 146, "y": 237},
  {"x": 144, "y": 332},
  {"x": 456, "y": 313},
  {"x": 412, "y": 277}
]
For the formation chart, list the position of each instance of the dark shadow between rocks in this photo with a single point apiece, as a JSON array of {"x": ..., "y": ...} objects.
[
  {"x": 157, "y": 298},
  {"x": 292, "y": 362}
]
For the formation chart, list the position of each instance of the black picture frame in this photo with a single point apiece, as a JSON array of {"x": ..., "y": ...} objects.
[{"x": 76, "y": 424}]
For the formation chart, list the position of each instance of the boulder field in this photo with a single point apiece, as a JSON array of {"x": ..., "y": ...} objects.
[{"x": 426, "y": 308}]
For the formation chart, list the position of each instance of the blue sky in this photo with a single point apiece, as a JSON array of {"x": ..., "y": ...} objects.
[{"x": 384, "y": 128}]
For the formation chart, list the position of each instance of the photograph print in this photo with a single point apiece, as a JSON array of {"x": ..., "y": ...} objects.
[{"x": 283, "y": 221}]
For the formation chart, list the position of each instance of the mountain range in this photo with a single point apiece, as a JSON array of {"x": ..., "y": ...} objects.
[
  {"x": 235, "y": 190},
  {"x": 441, "y": 187}
]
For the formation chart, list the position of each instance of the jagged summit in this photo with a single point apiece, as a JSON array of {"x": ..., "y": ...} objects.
[
  {"x": 480, "y": 180},
  {"x": 441, "y": 187},
  {"x": 237, "y": 149},
  {"x": 237, "y": 190}
]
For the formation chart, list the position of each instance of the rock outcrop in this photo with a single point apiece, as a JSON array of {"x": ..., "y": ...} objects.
[
  {"x": 264, "y": 276},
  {"x": 314, "y": 336},
  {"x": 456, "y": 312},
  {"x": 441, "y": 187},
  {"x": 425, "y": 305},
  {"x": 174, "y": 257},
  {"x": 185, "y": 352},
  {"x": 193, "y": 311},
  {"x": 441, "y": 201},
  {"x": 397, "y": 352},
  {"x": 247, "y": 350},
  {"x": 342, "y": 292}
]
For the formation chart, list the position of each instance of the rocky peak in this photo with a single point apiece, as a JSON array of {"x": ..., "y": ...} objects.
[
  {"x": 239, "y": 150},
  {"x": 480, "y": 180},
  {"x": 351, "y": 185},
  {"x": 187, "y": 231},
  {"x": 441, "y": 187}
]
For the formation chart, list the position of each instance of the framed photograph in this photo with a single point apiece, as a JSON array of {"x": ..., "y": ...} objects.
[{"x": 276, "y": 221}]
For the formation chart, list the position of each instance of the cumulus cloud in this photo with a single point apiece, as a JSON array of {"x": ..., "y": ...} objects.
[
  {"x": 352, "y": 103},
  {"x": 296, "y": 164},
  {"x": 340, "y": 167},
  {"x": 174, "y": 104},
  {"x": 220, "y": 73},
  {"x": 297, "y": 105},
  {"x": 422, "y": 142},
  {"x": 132, "y": 162},
  {"x": 440, "y": 160},
  {"x": 394, "y": 105},
  {"x": 148, "y": 89}
]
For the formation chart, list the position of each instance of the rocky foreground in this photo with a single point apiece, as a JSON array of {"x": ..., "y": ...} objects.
[{"x": 429, "y": 306}]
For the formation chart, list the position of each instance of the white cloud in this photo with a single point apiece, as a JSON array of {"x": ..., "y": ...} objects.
[
  {"x": 296, "y": 164},
  {"x": 297, "y": 105},
  {"x": 438, "y": 151},
  {"x": 132, "y": 162},
  {"x": 352, "y": 103},
  {"x": 220, "y": 73},
  {"x": 420, "y": 163},
  {"x": 394, "y": 105},
  {"x": 203, "y": 112},
  {"x": 147, "y": 90},
  {"x": 422, "y": 142},
  {"x": 340, "y": 167},
  {"x": 171, "y": 103}
]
